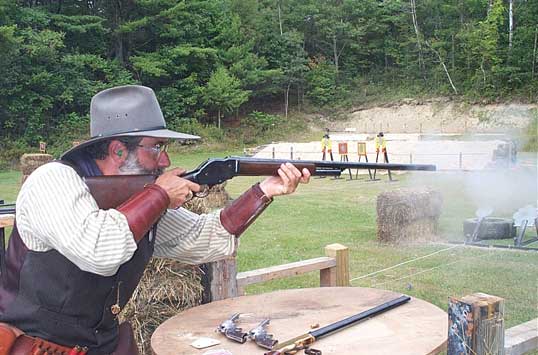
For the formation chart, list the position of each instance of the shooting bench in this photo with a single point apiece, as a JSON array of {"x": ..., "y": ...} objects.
[{"x": 414, "y": 328}]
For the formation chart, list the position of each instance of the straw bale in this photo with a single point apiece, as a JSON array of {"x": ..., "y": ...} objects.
[
  {"x": 408, "y": 215},
  {"x": 167, "y": 286},
  {"x": 218, "y": 197},
  {"x": 30, "y": 162}
]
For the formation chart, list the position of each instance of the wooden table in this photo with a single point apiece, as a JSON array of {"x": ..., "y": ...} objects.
[
  {"x": 414, "y": 328},
  {"x": 7, "y": 220}
]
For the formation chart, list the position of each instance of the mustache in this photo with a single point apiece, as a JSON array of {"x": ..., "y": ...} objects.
[{"x": 132, "y": 166}]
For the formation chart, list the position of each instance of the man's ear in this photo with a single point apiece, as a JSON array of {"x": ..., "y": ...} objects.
[{"x": 117, "y": 151}]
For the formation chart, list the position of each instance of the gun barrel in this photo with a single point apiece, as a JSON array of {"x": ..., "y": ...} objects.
[
  {"x": 323, "y": 167},
  {"x": 334, "y": 327},
  {"x": 7, "y": 209}
]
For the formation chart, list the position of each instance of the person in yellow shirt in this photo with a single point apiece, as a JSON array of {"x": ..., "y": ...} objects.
[
  {"x": 380, "y": 144},
  {"x": 326, "y": 145}
]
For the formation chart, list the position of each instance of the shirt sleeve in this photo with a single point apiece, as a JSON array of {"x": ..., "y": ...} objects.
[
  {"x": 192, "y": 238},
  {"x": 55, "y": 210}
]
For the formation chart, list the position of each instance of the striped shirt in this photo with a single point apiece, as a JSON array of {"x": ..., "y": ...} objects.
[{"x": 55, "y": 210}]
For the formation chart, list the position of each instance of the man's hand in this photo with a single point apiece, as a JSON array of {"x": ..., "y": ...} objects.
[
  {"x": 286, "y": 182},
  {"x": 179, "y": 190}
]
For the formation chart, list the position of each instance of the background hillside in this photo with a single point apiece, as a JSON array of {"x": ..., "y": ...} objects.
[{"x": 210, "y": 61}]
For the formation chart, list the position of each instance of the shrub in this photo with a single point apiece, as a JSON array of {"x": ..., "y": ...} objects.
[
  {"x": 531, "y": 139},
  {"x": 257, "y": 126}
]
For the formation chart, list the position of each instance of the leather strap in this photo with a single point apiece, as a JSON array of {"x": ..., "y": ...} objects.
[
  {"x": 8, "y": 336},
  {"x": 26, "y": 345},
  {"x": 240, "y": 214},
  {"x": 144, "y": 209},
  {"x": 13, "y": 341}
]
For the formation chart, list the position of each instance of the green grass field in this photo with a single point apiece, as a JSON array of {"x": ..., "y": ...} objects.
[{"x": 327, "y": 211}]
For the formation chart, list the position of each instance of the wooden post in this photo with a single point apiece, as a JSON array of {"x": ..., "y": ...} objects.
[
  {"x": 219, "y": 280},
  {"x": 476, "y": 325},
  {"x": 291, "y": 152},
  {"x": 273, "y": 152},
  {"x": 338, "y": 275}
]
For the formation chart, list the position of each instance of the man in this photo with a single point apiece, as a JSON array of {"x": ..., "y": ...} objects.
[
  {"x": 326, "y": 145},
  {"x": 71, "y": 266}
]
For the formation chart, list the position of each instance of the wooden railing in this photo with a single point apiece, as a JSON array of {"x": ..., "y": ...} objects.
[{"x": 224, "y": 282}]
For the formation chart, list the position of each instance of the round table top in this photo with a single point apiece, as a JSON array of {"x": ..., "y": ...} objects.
[{"x": 414, "y": 328}]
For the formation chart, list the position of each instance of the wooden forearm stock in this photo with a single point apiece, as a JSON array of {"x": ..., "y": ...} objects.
[{"x": 112, "y": 191}]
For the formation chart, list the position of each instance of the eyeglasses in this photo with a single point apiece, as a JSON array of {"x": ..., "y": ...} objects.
[{"x": 156, "y": 149}]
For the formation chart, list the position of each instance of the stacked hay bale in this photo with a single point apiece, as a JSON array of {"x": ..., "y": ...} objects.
[
  {"x": 408, "y": 215},
  {"x": 30, "y": 162},
  {"x": 169, "y": 286}
]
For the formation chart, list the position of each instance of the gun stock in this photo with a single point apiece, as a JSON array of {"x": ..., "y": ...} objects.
[{"x": 110, "y": 191}]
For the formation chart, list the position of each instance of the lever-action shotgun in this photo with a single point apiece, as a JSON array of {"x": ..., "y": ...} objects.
[
  {"x": 111, "y": 191},
  {"x": 303, "y": 342}
]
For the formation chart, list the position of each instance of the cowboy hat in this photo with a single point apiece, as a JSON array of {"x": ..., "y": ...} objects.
[{"x": 126, "y": 111}]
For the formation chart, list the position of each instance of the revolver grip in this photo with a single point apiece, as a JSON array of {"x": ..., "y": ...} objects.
[{"x": 236, "y": 335}]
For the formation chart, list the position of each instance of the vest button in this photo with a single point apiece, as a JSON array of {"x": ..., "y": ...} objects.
[{"x": 115, "y": 309}]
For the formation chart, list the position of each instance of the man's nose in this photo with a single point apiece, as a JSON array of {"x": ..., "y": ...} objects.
[{"x": 164, "y": 160}]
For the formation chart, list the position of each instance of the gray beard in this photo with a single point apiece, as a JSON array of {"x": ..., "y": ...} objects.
[{"x": 132, "y": 166}]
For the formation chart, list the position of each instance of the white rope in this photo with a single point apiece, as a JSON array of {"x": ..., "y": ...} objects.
[
  {"x": 428, "y": 270},
  {"x": 405, "y": 262}
]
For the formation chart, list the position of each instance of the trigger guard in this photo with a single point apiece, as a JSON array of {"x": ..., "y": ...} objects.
[{"x": 202, "y": 193}]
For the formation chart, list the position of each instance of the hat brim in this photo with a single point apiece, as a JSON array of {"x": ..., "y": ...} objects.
[{"x": 157, "y": 133}]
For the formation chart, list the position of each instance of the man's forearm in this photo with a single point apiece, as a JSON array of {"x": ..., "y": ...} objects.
[{"x": 240, "y": 214}]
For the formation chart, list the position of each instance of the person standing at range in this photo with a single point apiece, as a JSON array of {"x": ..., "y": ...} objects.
[{"x": 71, "y": 267}]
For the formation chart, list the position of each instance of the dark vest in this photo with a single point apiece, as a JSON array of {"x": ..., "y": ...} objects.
[{"x": 47, "y": 296}]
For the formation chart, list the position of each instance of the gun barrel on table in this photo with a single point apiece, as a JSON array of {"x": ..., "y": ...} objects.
[{"x": 303, "y": 341}]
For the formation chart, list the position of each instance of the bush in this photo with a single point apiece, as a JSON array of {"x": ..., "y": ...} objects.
[
  {"x": 531, "y": 139},
  {"x": 258, "y": 126},
  {"x": 209, "y": 133},
  {"x": 11, "y": 152}
]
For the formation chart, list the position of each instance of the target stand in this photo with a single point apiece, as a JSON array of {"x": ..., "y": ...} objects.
[
  {"x": 342, "y": 151},
  {"x": 361, "y": 151}
]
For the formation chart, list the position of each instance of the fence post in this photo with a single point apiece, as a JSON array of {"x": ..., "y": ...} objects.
[
  {"x": 338, "y": 275},
  {"x": 291, "y": 152},
  {"x": 220, "y": 280},
  {"x": 478, "y": 321},
  {"x": 461, "y": 161},
  {"x": 273, "y": 153}
]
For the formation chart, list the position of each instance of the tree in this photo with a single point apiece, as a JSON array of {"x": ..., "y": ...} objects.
[{"x": 223, "y": 93}]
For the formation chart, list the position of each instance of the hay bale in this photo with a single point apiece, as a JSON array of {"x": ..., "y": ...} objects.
[
  {"x": 217, "y": 197},
  {"x": 30, "y": 162},
  {"x": 168, "y": 286},
  {"x": 408, "y": 215}
]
